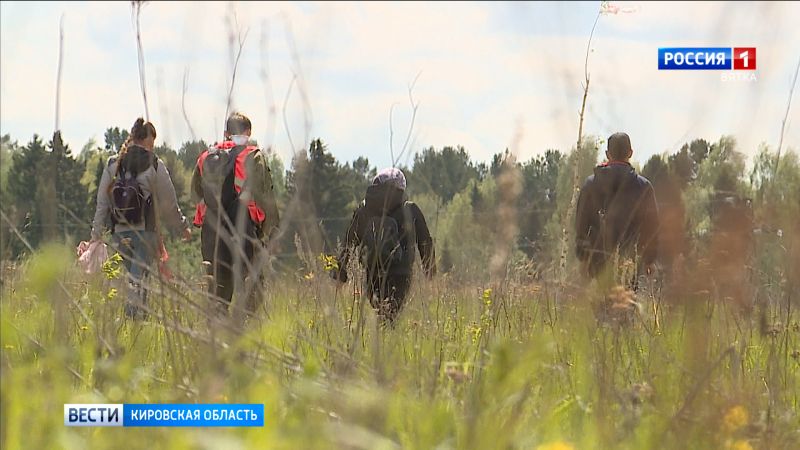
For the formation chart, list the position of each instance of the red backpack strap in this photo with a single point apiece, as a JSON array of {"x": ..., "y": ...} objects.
[
  {"x": 240, "y": 169},
  {"x": 257, "y": 215},
  {"x": 201, "y": 160},
  {"x": 199, "y": 214}
]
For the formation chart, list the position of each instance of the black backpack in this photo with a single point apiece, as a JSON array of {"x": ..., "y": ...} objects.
[
  {"x": 128, "y": 203},
  {"x": 382, "y": 243},
  {"x": 219, "y": 193}
]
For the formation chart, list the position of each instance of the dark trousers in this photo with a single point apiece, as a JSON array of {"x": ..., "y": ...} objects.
[
  {"x": 600, "y": 267},
  {"x": 387, "y": 294},
  {"x": 221, "y": 250}
]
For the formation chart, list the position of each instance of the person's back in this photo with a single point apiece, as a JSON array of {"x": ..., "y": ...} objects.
[
  {"x": 385, "y": 207},
  {"x": 137, "y": 194},
  {"x": 236, "y": 212},
  {"x": 138, "y": 167},
  {"x": 616, "y": 211}
]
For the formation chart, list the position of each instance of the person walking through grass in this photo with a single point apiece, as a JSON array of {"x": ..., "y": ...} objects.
[
  {"x": 384, "y": 230},
  {"x": 616, "y": 214},
  {"x": 137, "y": 195},
  {"x": 237, "y": 213}
]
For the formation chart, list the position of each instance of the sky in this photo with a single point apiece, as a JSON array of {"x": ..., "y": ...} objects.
[{"x": 489, "y": 76}]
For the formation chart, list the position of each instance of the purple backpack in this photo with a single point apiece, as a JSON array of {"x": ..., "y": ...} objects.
[{"x": 127, "y": 201}]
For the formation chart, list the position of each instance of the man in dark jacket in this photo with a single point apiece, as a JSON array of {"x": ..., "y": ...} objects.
[
  {"x": 616, "y": 211},
  {"x": 385, "y": 217}
]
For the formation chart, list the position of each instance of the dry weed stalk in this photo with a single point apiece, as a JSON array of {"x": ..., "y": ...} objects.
[
  {"x": 58, "y": 73},
  {"x": 509, "y": 187},
  {"x": 236, "y": 39},
  {"x": 185, "y": 88},
  {"x": 414, "y": 108},
  {"x": 136, "y": 9}
]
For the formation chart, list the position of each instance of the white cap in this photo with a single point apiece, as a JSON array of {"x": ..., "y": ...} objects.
[{"x": 391, "y": 175}]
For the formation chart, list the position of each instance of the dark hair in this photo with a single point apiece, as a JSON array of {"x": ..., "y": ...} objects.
[
  {"x": 142, "y": 130},
  {"x": 619, "y": 146},
  {"x": 237, "y": 123}
]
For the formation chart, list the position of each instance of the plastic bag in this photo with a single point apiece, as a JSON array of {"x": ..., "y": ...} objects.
[{"x": 92, "y": 255}]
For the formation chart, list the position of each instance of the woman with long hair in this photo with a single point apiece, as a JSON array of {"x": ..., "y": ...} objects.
[{"x": 137, "y": 195}]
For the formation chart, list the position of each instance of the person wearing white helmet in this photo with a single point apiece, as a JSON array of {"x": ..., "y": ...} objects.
[{"x": 384, "y": 231}]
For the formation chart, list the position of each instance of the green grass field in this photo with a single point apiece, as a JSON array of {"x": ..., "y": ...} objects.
[{"x": 530, "y": 365}]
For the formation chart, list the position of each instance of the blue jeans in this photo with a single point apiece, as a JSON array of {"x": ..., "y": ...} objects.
[{"x": 138, "y": 250}]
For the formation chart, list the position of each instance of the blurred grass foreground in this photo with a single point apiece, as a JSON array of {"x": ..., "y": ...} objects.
[{"x": 517, "y": 364}]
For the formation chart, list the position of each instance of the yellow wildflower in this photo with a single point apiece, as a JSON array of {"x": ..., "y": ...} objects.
[
  {"x": 740, "y": 444},
  {"x": 556, "y": 445},
  {"x": 734, "y": 419}
]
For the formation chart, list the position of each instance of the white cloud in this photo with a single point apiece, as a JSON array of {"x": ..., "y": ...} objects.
[{"x": 479, "y": 77}]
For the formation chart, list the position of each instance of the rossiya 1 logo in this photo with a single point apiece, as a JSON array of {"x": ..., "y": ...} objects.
[{"x": 710, "y": 58}]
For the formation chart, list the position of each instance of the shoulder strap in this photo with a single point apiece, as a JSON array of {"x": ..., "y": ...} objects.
[
  {"x": 200, "y": 160},
  {"x": 236, "y": 151},
  {"x": 233, "y": 155},
  {"x": 402, "y": 215},
  {"x": 240, "y": 153},
  {"x": 405, "y": 209}
]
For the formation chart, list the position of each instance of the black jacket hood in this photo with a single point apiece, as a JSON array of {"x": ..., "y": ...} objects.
[{"x": 383, "y": 199}]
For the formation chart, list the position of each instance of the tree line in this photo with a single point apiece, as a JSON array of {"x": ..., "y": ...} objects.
[{"x": 47, "y": 192}]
